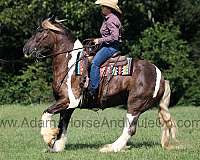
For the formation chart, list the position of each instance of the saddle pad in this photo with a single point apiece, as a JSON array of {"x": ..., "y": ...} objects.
[
  {"x": 110, "y": 69},
  {"x": 121, "y": 70}
]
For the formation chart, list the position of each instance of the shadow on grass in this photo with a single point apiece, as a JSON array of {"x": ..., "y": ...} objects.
[
  {"x": 82, "y": 146},
  {"x": 149, "y": 144}
]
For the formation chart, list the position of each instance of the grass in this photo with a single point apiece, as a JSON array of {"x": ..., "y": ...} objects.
[{"x": 24, "y": 141}]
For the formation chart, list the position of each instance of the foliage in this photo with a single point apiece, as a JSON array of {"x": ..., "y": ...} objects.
[
  {"x": 80, "y": 16},
  {"x": 162, "y": 45},
  {"x": 192, "y": 95},
  {"x": 30, "y": 87},
  {"x": 18, "y": 19}
]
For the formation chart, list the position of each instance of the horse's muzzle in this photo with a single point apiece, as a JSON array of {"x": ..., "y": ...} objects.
[{"x": 29, "y": 52}]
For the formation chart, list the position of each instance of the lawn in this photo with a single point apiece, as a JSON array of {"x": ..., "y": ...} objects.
[{"x": 88, "y": 131}]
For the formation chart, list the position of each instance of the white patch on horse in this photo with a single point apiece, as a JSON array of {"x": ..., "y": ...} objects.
[
  {"x": 74, "y": 102},
  {"x": 158, "y": 78},
  {"x": 121, "y": 142}
]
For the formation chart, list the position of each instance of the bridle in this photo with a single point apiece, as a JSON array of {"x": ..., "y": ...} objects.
[{"x": 88, "y": 45}]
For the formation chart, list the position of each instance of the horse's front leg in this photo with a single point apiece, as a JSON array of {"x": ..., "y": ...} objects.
[
  {"x": 48, "y": 131},
  {"x": 66, "y": 101},
  {"x": 60, "y": 141}
]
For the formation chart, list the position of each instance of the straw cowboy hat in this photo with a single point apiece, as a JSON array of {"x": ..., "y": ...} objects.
[{"x": 110, "y": 3}]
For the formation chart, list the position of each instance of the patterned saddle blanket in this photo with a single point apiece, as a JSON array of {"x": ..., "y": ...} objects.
[{"x": 119, "y": 65}]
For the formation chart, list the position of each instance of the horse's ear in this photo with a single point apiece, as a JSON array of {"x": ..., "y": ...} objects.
[
  {"x": 52, "y": 18},
  {"x": 60, "y": 21}
]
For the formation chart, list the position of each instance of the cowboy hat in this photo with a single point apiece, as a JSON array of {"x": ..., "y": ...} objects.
[{"x": 110, "y": 3}]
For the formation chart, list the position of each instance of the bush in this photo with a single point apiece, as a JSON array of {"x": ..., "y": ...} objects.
[
  {"x": 192, "y": 95},
  {"x": 161, "y": 44},
  {"x": 31, "y": 86}
]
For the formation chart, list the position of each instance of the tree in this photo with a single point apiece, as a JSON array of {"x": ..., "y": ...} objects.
[
  {"x": 19, "y": 19},
  {"x": 162, "y": 45}
]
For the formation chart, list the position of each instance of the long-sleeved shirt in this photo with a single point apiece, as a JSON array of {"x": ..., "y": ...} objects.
[{"x": 110, "y": 29}]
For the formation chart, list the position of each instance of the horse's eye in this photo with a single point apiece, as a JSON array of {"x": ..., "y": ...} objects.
[
  {"x": 38, "y": 37},
  {"x": 39, "y": 29}
]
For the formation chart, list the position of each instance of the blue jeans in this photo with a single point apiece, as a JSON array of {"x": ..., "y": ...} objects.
[{"x": 102, "y": 55}]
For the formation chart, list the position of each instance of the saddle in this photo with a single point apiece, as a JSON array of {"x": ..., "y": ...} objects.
[
  {"x": 92, "y": 49},
  {"x": 116, "y": 60},
  {"x": 116, "y": 65}
]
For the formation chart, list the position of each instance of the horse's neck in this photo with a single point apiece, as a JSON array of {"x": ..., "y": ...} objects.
[{"x": 65, "y": 63}]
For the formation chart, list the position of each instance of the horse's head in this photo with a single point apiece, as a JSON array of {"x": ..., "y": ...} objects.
[{"x": 44, "y": 38}]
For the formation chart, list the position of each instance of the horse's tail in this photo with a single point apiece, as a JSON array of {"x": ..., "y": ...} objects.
[{"x": 168, "y": 125}]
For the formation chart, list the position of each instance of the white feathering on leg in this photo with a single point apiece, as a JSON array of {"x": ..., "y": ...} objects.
[
  {"x": 121, "y": 142},
  {"x": 46, "y": 122},
  {"x": 60, "y": 144}
]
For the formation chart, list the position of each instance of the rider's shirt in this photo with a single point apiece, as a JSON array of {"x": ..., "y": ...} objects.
[{"x": 110, "y": 29}]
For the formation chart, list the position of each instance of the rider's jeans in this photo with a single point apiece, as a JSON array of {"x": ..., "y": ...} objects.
[{"x": 102, "y": 55}]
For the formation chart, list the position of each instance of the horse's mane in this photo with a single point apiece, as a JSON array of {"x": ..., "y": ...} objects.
[
  {"x": 66, "y": 31},
  {"x": 59, "y": 27}
]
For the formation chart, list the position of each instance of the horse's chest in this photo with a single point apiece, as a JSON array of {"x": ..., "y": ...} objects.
[{"x": 74, "y": 91}]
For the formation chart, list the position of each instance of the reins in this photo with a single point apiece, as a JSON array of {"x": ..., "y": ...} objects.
[
  {"x": 68, "y": 69},
  {"x": 87, "y": 45},
  {"x": 40, "y": 56}
]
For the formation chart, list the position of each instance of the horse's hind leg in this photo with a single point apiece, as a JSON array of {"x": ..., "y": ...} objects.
[
  {"x": 128, "y": 131},
  {"x": 168, "y": 125}
]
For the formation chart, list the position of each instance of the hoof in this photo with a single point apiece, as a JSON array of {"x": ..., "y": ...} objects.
[
  {"x": 169, "y": 147},
  {"x": 175, "y": 147},
  {"x": 49, "y": 150},
  {"x": 59, "y": 145},
  {"x": 49, "y": 135},
  {"x": 107, "y": 148},
  {"x": 113, "y": 148}
]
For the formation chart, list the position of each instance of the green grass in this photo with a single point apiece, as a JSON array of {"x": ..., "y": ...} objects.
[{"x": 84, "y": 142}]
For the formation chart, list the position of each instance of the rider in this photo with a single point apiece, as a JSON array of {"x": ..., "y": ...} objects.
[{"x": 110, "y": 38}]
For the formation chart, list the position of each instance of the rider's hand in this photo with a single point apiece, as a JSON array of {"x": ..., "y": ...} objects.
[{"x": 96, "y": 41}]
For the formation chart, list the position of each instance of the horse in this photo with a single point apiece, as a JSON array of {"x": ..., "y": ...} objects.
[{"x": 139, "y": 91}]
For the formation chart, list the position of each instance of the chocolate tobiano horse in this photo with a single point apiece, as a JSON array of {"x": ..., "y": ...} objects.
[{"x": 139, "y": 91}]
